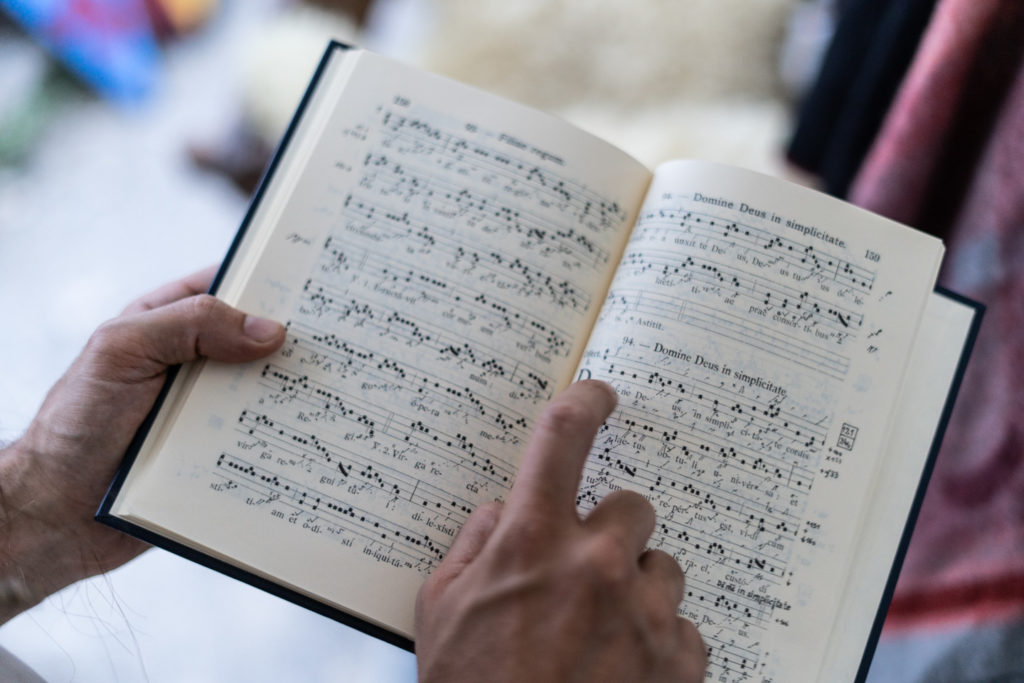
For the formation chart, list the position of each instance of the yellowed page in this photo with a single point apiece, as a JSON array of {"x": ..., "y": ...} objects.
[
  {"x": 439, "y": 256},
  {"x": 757, "y": 334}
]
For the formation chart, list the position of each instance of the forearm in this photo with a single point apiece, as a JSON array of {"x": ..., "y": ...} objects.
[
  {"x": 30, "y": 550},
  {"x": 48, "y": 537}
]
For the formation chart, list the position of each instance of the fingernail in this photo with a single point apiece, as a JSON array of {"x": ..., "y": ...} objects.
[{"x": 261, "y": 329}]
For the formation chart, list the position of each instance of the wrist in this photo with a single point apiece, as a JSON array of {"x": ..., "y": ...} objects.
[{"x": 34, "y": 557}]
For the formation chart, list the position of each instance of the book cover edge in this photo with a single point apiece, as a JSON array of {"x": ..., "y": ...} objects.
[
  {"x": 104, "y": 515},
  {"x": 267, "y": 585}
]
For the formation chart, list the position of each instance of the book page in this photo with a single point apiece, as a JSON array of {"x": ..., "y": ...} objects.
[
  {"x": 757, "y": 334},
  {"x": 930, "y": 376},
  {"x": 439, "y": 256}
]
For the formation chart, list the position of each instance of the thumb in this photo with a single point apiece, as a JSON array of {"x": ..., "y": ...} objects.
[{"x": 183, "y": 331}]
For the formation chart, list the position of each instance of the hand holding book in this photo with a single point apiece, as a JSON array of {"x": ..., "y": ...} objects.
[
  {"x": 567, "y": 580},
  {"x": 56, "y": 474}
]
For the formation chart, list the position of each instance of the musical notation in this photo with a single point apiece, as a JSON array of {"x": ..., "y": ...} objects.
[
  {"x": 407, "y": 283},
  {"x": 730, "y": 495},
  {"x": 511, "y": 273},
  {"x": 729, "y": 471},
  {"x": 439, "y": 196},
  {"x": 804, "y": 262},
  {"x": 743, "y": 283},
  {"x": 725, "y": 342},
  {"x": 483, "y": 159},
  {"x": 788, "y": 304},
  {"x": 452, "y": 282},
  {"x": 445, "y": 295}
]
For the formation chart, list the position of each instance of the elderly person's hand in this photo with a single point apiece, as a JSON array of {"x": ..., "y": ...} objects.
[
  {"x": 531, "y": 592},
  {"x": 53, "y": 478}
]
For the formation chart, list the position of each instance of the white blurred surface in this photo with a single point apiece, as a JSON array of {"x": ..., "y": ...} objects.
[{"x": 108, "y": 207}]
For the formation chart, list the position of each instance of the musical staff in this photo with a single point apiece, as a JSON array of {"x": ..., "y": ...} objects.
[
  {"x": 734, "y": 290},
  {"x": 511, "y": 273},
  {"x": 805, "y": 261},
  {"x": 407, "y": 282},
  {"x": 439, "y": 196},
  {"x": 461, "y": 157},
  {"x": 791, "y": 305}
]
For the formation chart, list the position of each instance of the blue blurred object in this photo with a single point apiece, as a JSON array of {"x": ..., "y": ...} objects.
[{"x": 109, "y": 44}]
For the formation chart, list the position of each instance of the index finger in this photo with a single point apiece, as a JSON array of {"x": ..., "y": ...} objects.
[
  {"x": 190, "y": 285},
  {"x": 550, "y": 471}
]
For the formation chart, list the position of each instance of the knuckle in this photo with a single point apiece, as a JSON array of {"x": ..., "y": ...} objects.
[
  {"x": 203, "y": 306},
  {"x": 427, "y": 592},
  {"x": 524, "y": 541},
  {"x": 115, "y": 349},
  {"x": 427, "y": 597},
  {"x": 606, "y": 563},
  {"x": 106, "y": 335},
  {"x": 668, "y": 564},
  {"x": 491, "y": 508},
  {"x": 112, "y": 340}
]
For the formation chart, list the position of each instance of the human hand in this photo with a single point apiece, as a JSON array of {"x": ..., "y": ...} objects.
[
  {"x": 530, "y": 592},
  {"x": 54, "y": 477}
]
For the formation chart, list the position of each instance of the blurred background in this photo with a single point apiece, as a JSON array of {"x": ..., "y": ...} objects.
[{"x": 132, "y": 133}]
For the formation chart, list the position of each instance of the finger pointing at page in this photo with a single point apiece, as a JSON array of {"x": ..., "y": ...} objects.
[{"x": 549, "y": 474}]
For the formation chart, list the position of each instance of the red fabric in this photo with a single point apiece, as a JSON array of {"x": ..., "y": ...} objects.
[{"x": 950, "y": 159}]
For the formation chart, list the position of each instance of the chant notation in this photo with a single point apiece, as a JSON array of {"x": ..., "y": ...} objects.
[
  {"x": 721, "y": 617},
  {"x": 322, "y": 403},
  {"x": 438, "y": 196},
  {"x": 339, "y": 458},
  {"x": 760, "y": 493},
  {"x": 341, "y": 360},
  {"x": 436, "y": 300},
  {"x": 508, "y": 273},
  {"x": 422, "y": 331},
  {"x": 805, "y": 262},
  {"x": 334, "y": 515},
  {"x": 729, "y": 467},
  {"x": 498, "y": 314},
  {"x": 719, "y": 542},
  {"x": 697, "y": 513},
  {"x": 720, "y": 403},
  {"x": 427, "y": 143},
  {"x": 796, "y": 307}
]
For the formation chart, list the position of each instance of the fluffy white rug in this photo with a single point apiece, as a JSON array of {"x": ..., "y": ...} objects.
[{"x": 661, "y": 78}]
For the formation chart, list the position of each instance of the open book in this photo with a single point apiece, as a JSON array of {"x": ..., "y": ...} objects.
[{"x": 446, "y": 261}]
